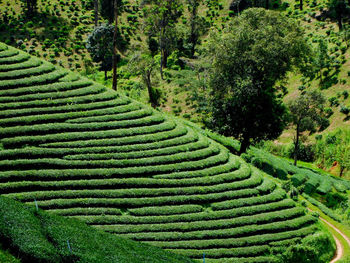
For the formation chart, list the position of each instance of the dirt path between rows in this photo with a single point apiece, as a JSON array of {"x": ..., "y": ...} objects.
[{"x": 340, "y": 250}]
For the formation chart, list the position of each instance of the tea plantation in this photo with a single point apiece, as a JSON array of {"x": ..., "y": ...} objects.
[{"x": 84, "y": 151}]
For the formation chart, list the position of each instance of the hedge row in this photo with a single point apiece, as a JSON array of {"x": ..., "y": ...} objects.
[
  {"x": 64, "y": 116},
  {"x": 258, "y": 259},
  {"x": 49, "y": 128},
  {"x": 215, "y": 218},
  {"x": 18, "y": 66},
  {"x": 36, "y": 185},
  {"x": 248, "y": 230},
  {"x": 87, "y": 211},
  {"x": 184, "y": 161},
  {"x": 285, "y": 212},
  {"x": 85, "y": 91},
  {"x": 165, "y": 210},
  {"x": 220, "y": 253},
  {"x": 130, "y": 141},
  {"x": 107, "y": 95},
  {"x": 33, "y": 80},
  {"x": 104, "y": 198},
  {"x": 274, "y": 196},
  {"x": 71, "y": 136},
  {"x": 14, "y": 59},
  {"x": 235, "y": 242},
  {"x": 21, "y": 73},
  {"x": 57, "y": 86},
  {"x": 239, "y": 188},
  {"x": 322, "y": 207},
  {"x": 183, "y": 140},
  {"x": 8, "y": 53},
  {"x": 182, "y": 148}
]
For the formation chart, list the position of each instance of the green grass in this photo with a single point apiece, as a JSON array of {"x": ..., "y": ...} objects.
[{"x": 89, "y": 153}]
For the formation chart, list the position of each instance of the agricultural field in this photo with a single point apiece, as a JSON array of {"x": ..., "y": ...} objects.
[{"x": 80, "y": 150}]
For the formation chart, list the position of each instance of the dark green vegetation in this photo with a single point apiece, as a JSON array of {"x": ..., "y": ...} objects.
[
  {"x": 329, "y": 193},
  {"x": 245, "y": 61},
  {"x": 84, "y": 151},
  {"x": 37, "y": 236}
]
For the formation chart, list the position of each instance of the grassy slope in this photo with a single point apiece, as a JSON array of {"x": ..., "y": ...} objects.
[{"x": 37, "y": 236}]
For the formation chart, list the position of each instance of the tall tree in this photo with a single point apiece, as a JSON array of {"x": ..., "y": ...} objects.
[
  {"x": 144, "y": 64},
  {"x": 100, "y": 45},
  {"x": 162, "y": 16},
  {"x": 322, "y": 58},
  {"x": 115, "y": 35},
  {"x": 96, "y": 12},
  {"x": 197, "y": 24},
  {"x": 306, "y": 114},
  {"x": 253, "y": 52},
  {"x": 31, "y": 6},
  {"x": 343, "y": 157},
  {"x": 338, "y": 10}
]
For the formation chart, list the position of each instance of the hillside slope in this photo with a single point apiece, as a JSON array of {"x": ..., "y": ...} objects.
[
  {"x": 84, "y": 151},
  {"x": 37, "y": 236}
]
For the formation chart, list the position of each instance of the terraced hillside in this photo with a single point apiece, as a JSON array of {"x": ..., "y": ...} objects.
[{"x": 83, "y": 151}]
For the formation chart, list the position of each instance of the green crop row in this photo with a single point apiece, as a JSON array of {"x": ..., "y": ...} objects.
[
  {"x": 165, "y": 210},
  {"x": 107, "y": 95},
  {"x": 3, "y": 47},
  {"x": 131, "y": 142},
  {"x": 247, "y": 230},
  {"x": 209, "y": 220},
  {"x": 258, "y": 259},
  {"x": 274, "y": 196},
  {"x": 220, "y": 253},
  {"x": 267, "y": 186},
  {"x": 103, "y": 198},
  {"x": 49, "y": 128},
  {"x": 286, "y": 210},
  {"x": 183, "y": 148},
  {"x": 239, "y": 187},
  {"x": 183, "y": 140},
  {"x": 51, "y": 87},
  {"x": 87, "y": 211},
  {"x": 64, "y": 116},
  {"x": 21, "y": 73},
  {"x": 103, "y": 103},
  {"x": 85, "y": 91},
  {"x": 14, "y": 59},
  {"x": 8, "y": 53},
  {"x": 33, "y": 80},
  {"x": 183, "y": 161},
  {"x": 71, "y": 136},
  {"x": 113, "y": 117},
  {"x": 19, "y": 66},
  {"x": 111, "y": 183},
  {"x": 322, "y": 207},
  {"x": 234, "y": 242}
]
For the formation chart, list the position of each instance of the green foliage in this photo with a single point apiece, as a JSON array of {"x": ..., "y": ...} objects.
[
  {"x": 85, "y": 152},
  {"x": 322, "y": 207},
  {"x": 37, "y": 236},
  {"x": 254, "y": 112}
]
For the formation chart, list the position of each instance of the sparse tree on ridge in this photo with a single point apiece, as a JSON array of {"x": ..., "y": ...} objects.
[
  {"x": 162, "y": 16},
  {"x": 306, "y": 114},
  {"x": 31, "y": 6},
  {"x": 144, "y": 64}
]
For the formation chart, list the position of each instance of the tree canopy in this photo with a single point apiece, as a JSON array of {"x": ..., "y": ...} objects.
[{"x": 252, "y": 53}]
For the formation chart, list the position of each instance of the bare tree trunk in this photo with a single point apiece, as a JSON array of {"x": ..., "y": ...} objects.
[
  {"x": 115, "y": 45},
  {"x": 244, "y": 145},
  {"x": 96, "y": 12},
  {"x": 296, "y": 146},
  {"x": 301, "y": 5},
  {"x": 342, "y": 168},
  {"x": 152, "y": 99},
  {"x": 105, "y": 74}
]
